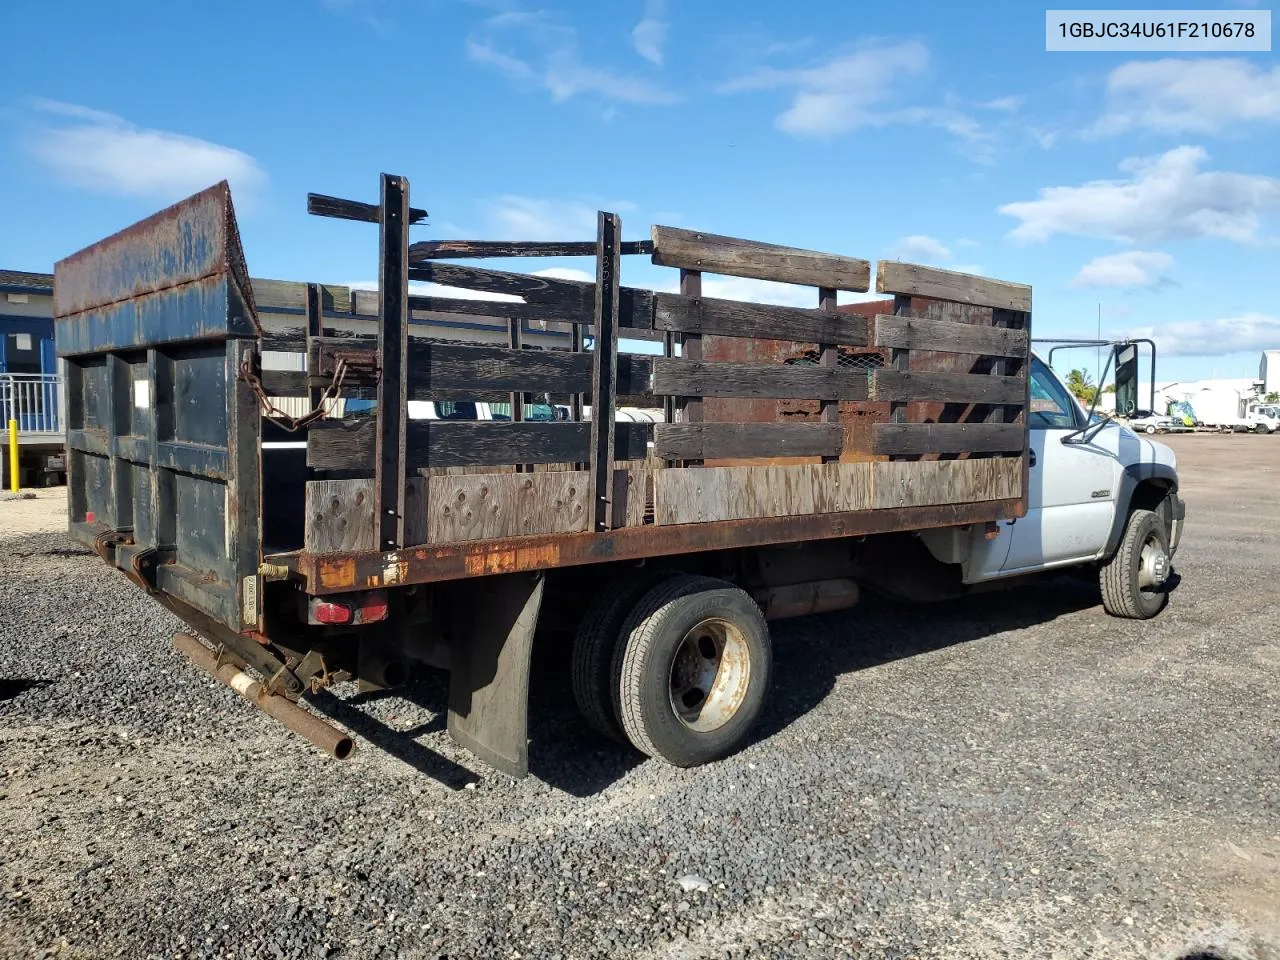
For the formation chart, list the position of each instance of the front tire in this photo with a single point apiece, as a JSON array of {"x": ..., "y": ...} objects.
[
  {"x": 1149, "y": 428},
  {"x": 692, "y": 670},
  {"x": 1133, "y": 580},
  {"x": 1261, "y": 428}
]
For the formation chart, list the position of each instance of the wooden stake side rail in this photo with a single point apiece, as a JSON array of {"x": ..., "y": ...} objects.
[{"x": 640, "y": 489}]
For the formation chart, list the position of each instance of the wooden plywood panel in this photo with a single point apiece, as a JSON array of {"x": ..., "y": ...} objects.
[
  {"x": 339, "y": 516},
  {"x": 933, "y": 482},
  {"x": 632, "y": 494},
  {"x": 491, "y": 506},
  {"x": 705, "y": 494}
]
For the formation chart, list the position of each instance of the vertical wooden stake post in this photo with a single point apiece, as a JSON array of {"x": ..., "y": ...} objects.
[{"x": 604, "y": 368}]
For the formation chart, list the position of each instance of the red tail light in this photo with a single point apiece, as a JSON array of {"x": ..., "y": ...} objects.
[
  {"x": 329, "y": 612},
  {"x": 372, "y": 608},
  {"x": 350, "y": 609}
]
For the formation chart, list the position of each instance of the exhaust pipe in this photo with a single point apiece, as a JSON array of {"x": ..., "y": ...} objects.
[
  {"x": 803, "y": 599},
  {"x": 324, "y": 735}
]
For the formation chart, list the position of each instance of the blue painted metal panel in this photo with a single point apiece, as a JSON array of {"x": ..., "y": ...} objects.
[
  {"x": 163, "y": 443},
  {"x": 177, "y": 276}
]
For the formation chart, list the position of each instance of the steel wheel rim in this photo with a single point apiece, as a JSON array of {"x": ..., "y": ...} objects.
[
  {"x": 1153, "y": 565},
  {"x": 710, "y": 674}
]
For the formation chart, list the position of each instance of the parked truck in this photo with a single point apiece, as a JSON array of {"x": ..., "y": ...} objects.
[{"x": 307, "y": 550}]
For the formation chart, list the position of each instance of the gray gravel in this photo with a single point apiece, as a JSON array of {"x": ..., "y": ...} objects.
[{"x": 1011, "y": 775}]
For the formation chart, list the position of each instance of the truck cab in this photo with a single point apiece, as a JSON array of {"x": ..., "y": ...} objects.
[{"x": 1099, "y": 495}]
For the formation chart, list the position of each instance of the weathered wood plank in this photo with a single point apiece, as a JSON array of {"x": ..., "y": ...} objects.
[
  {"x": 632, "y": 495},
  {"x": 322, "y": 205},
  {"x": 455, "y": 369},
  {"x": 575, "y": 297},
  {"x": 339, "y": 516},
  {"x": 731, "y": 256},
  {"x": 908, "y": 385},
  {"x": 916, "y": 333},
  {"x": 917, "y": 281},
  {"x": 348, "y": 445},
  {"x": 708, "y": 494},
  {"x": 906, "y": 439},
  {"x": 292, "y": 295},
  {"x": 710, "y": 441},
  {"x": 733, "y": 318},
  {"x": 478, "y": 249},
  {"x": 415, "y": 510},
  {"x": 533, "y": 289},
  {"x": 904, "y": 483},
  {"x": 501, "y": 309},
  {"x": 489, "y": 506},
  {"x": 683, "y": 377},
  {"x": 830, "y": 359}
]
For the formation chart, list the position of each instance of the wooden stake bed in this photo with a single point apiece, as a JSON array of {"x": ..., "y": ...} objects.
[{"x": 783, "y": 424}]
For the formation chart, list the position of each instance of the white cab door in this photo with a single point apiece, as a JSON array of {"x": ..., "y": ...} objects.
[{"x": 1072, "y": 490}]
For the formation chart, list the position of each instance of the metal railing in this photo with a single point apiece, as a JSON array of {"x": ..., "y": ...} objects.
[{"x": 34, "y": 400}]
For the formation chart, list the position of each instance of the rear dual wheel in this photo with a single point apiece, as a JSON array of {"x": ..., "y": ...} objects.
[{"x": 688, "y": 672}]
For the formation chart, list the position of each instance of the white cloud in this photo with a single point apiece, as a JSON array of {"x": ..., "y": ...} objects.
[
  {"x": 842, "y": 94},
  {"x": 921, "y": 249},
  {"x": 858, "y": 89},
  {"x": 1004, "y": 104},
  {"x": 1130, "y": 268},
  {"x": 1166, "y": 198},
  {"x": 650, "y": 33},
  {"x": 759, "y": 291},
  {"x": 105, "y": 153},
  {"x": 1213, "y": 338},
  {"x": 529, "y": 218},
  {"x": 1200, "y": 95},
  {"x": 549, "y": 59}
]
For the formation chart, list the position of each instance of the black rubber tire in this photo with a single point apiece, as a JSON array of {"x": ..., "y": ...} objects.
[
  {"x": 595, "y": 643},
  {"x": 1149, "y": 428},
  {"x": 1118, "y": 577},
  {"x": 1261, "y": 428},
  {"x": 650, "y": 638}
]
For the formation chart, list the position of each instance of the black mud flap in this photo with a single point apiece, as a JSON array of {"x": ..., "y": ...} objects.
[{"x": 489, "y": 679}]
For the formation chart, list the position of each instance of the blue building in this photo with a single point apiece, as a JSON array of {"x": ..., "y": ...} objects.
[{"x": 26, "y": 323}]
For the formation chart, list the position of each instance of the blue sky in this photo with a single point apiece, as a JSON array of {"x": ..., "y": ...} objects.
[{"x": 934, "y": 132}]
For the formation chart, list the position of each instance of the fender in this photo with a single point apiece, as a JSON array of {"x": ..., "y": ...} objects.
[{"x": 1133, "y": 475}]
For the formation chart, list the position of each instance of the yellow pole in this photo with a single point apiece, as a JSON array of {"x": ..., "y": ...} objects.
[{"x": 13, "y": 455}]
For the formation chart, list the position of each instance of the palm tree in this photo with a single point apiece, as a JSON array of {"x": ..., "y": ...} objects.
[{"x": 1081, "y": 385}]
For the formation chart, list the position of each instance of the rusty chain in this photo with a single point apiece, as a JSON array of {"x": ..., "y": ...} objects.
[{"x": 276, "y": 415}]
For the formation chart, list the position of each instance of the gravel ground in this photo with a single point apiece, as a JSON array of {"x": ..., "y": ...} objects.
[{"x": 1011, "y": 775}]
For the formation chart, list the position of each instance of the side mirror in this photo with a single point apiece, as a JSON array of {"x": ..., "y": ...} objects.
[{"x": 1126, "y": 356}]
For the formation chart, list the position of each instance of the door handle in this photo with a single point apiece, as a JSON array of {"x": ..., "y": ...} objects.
[{"x": 1032, "y": 457}]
